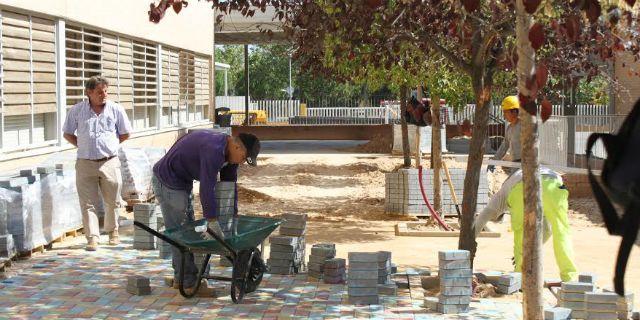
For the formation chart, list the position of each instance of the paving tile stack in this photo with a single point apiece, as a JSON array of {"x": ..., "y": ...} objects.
[
  {"x": 601, "y": 306},
  {"x": 226, "y": 201},
  {"x": 7, "y": 247},
  {"x": 286, "y": 254},
  {"x": 403, "y": 195},
  {"x": 138, "y": 285},
  {"x": 572, "y": 296},
  {"x": 335, "y": 271},
  {"x": 557, "y": 313},
  {"x": 362, "y": 276},
  {"x": 320, "y": 253},
  {"x": 455, "y": 281},
  {"x": 288, "y": 249},
  {"x": 145, "y": 213},
  {"x": 384, "y": 267},
  {"x": 164, "y": 247},
  {"x": 23, "y": 201},
  {"x": 510, "y": 283}
]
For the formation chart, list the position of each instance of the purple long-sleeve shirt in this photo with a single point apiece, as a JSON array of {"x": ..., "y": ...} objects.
[{"x": 200, "y": 155}]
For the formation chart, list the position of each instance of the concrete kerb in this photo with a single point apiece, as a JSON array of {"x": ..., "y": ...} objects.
[{"x": 405, "y": 229}]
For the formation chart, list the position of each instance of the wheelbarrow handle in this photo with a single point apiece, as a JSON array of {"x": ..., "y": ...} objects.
[{"x": 159, "y": 235}]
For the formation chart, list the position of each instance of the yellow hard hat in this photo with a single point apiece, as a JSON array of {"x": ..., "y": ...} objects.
[{"x": 510, "y": 103}]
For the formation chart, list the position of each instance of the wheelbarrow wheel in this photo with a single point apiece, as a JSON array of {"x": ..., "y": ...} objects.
[
  {"x": 240, "y": 274},
  {"x": 248, "y": 269},
  {"x": 256, "y": 270}
]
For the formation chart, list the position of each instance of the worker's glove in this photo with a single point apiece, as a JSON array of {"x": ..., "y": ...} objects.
[
  {"x": 491, "y": 168},
  {"x": 213, "y": 226}
]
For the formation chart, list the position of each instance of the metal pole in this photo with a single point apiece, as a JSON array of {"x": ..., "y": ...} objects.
[{"x": 246, "y": 77}]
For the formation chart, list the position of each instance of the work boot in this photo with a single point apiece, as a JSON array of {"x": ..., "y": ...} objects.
[
  {"x": 114, "y": 238},
  {"x": 203, "y": 291},
  {"x": 92, "y": 245}
]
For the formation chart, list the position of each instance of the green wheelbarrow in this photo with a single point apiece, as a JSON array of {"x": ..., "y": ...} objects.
[{"x": 240, "y": 248}]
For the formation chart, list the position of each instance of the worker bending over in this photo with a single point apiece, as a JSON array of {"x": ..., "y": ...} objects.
[{"x": 555, "y": 205}]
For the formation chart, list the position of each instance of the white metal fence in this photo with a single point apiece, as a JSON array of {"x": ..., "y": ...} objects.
[
  {"x": 557, "y": 110},
  {"x": 563, "y": 139}
]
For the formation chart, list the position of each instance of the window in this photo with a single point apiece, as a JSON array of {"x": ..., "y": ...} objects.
[
  {"x": 117, "y": 65},
  {"x": 202, "y": 88},
  {"x": 144, "y": 86},
  {"x": 83, "y": 49},
  {"x": 170, "y": 87},
  {"x": 187, "y": 87},
  {"x": 29, "y": 110}
]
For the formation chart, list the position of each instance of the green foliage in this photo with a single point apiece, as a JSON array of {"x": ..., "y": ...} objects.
[{"x": 594, "y": 92}]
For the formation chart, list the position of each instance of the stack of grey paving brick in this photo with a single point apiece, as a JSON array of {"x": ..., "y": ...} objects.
[
  {"x": 7, "y": 247},
  {"x": 572, "y": 296},
  {"x": 362, "y": 284},
  {"x": 145, "y": 213},
  {"x": 335, "y": 271},
  {"x": 24, "y": 211},
  {"x": 509, "y": 283},
  {"x": 66, "y": 211},
  {"x": 601, "y": 305},
  {"x": 285, "y": 254},
  {"x": 288, "y": 250},
  {"x": 225, "y": 194},
  {"x": 138, "y": 285},
  {"x": 164, "y": 247},
  {"x": 320, "y": 253},
  {"x": 455, "y": 281},
  {"x": 294, "y": 225},
  {"x": 625, "y": 306},
  {"x": 557, "y": 313},
  {"x": 385, "y": 285},
  {"x": 403, "y": 195}
]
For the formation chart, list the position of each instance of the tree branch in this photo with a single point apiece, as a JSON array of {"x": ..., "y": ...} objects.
[{"x": 453, "y": 58}]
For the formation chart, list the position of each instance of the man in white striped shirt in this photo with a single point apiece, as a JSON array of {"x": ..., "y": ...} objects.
[{"x": 97, "y": 126}]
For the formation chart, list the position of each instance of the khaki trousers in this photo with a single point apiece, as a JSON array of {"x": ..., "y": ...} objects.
[{"x": 93, "y": 177}]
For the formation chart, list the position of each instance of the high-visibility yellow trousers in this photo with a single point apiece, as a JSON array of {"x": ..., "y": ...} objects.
[{"x": 555, "y": 204}]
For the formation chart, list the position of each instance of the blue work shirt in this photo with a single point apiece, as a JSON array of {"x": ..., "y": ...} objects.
[
  {"x": 201, "y": 156},
  {"x": 98, "y": 134}
]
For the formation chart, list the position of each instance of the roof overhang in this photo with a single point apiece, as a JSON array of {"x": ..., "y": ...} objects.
[{"x": 236, "y": 29}]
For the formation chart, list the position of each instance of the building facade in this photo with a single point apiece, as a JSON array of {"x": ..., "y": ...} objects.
[{"x": 160, "y": 73}]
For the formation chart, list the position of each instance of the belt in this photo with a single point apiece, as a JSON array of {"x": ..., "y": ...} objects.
[{"x": 102, "y": 159}]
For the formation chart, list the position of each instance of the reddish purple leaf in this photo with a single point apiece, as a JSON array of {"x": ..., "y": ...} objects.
[
  {"x": 373, "y": 4},
  {"x": 531, "y": 5},
  {"x": 531, "y": 107},
  {"x": 471, "y": 5},
  {"x": 177, "y": 6},
  {"x": 593, "y": 10},
  {"x": 536, "y": 36},
  {"x": 542, "y": 75},
  {"x": 573, "y": 27},
  {"x": 630, "y": 2},
  {"x": 545, "y": 110}
]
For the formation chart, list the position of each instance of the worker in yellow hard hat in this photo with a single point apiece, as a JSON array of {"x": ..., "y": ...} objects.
[{"x": 510, "y": 148}]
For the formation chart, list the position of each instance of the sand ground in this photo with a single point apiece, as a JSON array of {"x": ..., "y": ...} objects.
[{"x": 343, "y": 193}]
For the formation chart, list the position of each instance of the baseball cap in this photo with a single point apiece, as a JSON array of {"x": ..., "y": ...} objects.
[{"x": 252, "y": 144}]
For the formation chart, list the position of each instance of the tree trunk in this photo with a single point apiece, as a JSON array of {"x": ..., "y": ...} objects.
[
  {"x": 406, "y": 150},
  {"x": 436, "y": 152},
  {"x": 532, "y": 281},
  {"x": 482, "y": 91}
]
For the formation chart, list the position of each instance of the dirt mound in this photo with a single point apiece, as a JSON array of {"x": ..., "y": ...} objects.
[
  {"x": 378, "y": 144},
  {"x": 250, "y": 196}
]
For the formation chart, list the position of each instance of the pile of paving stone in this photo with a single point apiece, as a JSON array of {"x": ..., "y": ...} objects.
[
  {"x": 320, "y": 253},
  {"x": 455, "y": 281},
  {"x": 335, "y": 271},
  {"x": 138, "y": 285},
  {"x": 385, "y": 270},
  {"x": 362, "y": 284},
  {"x": 287, "y": 251},
  {"x": 145, "y": 213}
]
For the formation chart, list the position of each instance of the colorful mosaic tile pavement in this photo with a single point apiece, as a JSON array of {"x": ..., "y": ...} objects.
[{"x": 68, "y": 282}]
